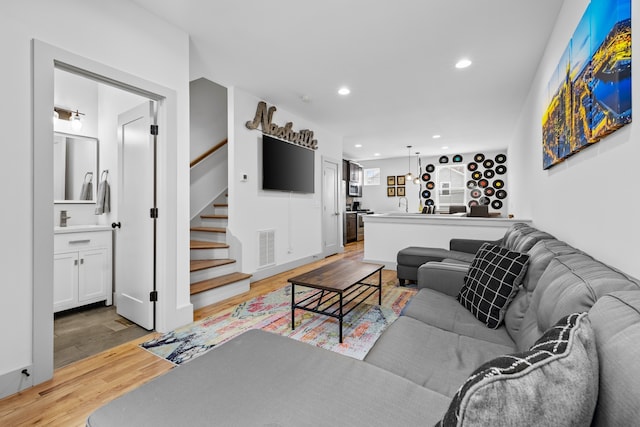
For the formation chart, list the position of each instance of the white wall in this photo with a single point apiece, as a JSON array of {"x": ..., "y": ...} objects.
[
  {"x": 208, "y": 121},
  {"x": 122, "y": 36},
  {"x": 374, "y": 197},
  {"x": 208, "y": 115},
  {"x": 296, "y": 218},
  {"x": 590, "y": 199}
]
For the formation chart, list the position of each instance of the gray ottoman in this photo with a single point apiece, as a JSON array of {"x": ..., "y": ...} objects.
[{"x": 409, "y": 259}]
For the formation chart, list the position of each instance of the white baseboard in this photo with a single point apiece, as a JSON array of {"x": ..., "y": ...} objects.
[
  {"x": 15, "y": 381},
  {"x": 388, "y": 265}
]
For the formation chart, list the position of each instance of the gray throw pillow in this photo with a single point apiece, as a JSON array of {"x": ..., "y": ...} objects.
[
  {"x": 555, "y": 383},
  {"x": 491, "y": 283}
]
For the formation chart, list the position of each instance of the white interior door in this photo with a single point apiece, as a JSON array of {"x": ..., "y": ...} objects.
[
  {"x": 330, "y": 209},
  {"x": 134, "y": 237}
]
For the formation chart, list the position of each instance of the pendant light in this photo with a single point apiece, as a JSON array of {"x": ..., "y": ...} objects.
[
  {"x": 417, "y": 178},
  {"x": 409, "y": 175}
]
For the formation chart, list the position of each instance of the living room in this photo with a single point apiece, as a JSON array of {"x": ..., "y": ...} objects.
[{"x": 584, "y": 201}]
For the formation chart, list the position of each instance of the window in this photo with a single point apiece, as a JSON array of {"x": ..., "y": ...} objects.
[
  {"x": 451, "y": 180},
  {"x": 372, "y": 176}
]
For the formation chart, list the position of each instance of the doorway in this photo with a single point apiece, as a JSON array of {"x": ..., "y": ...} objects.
[
  {"x": 330, "y": 208},
  {"x": 172, "y": 311},
  {"x": 105, "y": 148}
]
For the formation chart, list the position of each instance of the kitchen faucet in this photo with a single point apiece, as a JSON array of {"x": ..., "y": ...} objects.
[{"x": 406, "y": 203}]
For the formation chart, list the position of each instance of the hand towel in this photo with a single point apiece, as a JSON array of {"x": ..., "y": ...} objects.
[{"x": 104, "y": 198}]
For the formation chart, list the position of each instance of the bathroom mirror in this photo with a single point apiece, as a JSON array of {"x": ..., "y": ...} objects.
[{"x": 75, "y": 168}]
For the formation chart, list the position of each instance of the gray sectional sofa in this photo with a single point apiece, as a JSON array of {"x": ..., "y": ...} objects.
[{"x": 416, "y": 367}]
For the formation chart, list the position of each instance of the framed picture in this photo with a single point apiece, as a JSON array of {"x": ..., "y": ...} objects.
[
  {"x": 391, "y": 180},
  {"x": 400, "y": 180},
  {"x": 391, "y": 191},
  {"x": 400, "y": 191}
]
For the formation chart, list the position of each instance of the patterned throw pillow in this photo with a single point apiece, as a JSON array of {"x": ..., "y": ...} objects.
[
  {"x": 555, "y": 383},
  {"x": 491, "y": 283}
]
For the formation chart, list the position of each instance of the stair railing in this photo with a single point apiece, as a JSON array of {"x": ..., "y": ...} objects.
[{"x": 209, "y": 152}]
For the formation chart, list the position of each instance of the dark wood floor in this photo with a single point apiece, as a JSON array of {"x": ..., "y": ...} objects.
[{"x": 89, "y": 330}]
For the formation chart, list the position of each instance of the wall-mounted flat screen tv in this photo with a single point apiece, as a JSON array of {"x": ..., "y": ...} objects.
[{"x": 286, "y": 166}]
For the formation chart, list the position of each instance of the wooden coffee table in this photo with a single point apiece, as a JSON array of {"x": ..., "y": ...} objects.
[{"x": 341, "y": 288}]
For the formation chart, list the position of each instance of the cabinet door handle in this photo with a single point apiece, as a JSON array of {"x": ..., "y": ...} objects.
[
  {"x": 81, "y": 260},
  {"x": 75, "y": 262},
  {"x": 80, "y": 241}
]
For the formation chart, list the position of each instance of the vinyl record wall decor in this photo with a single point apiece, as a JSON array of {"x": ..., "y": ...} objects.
[
  {"x": 485, "y": 179},
  {"x": 487, "y": 186}
]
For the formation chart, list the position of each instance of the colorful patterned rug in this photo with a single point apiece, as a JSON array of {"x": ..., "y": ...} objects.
[{"x": 272, "y": 312}]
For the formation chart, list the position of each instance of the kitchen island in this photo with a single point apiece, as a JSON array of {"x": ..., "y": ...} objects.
[{"x": 386, "y": 234}]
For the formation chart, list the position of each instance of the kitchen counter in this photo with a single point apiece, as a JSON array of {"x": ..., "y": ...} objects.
[{"x": 387, "y": 233}]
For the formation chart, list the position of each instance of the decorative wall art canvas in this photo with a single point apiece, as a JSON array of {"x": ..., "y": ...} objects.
[{"x": 589, "y": 94}]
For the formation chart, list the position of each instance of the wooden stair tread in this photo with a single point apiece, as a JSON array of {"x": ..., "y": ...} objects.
[
  {"x": 201, "y": 244},
  {"x": 217, "y": 282},
  {"x": 215, "y": 216},
  {"x": 203, "y": 264},
  {"x": 210, "y": 229}
]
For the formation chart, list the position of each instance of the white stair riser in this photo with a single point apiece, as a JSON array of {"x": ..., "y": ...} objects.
[
  {"x": 221, "y": 210},
  {"x": 214, "y": 222},
  {"x": 198, "y": 254},
  {"x": 210, "y": 273},
  {"x": 209, "y": 237},
  {"x": 212, "y": 296}
]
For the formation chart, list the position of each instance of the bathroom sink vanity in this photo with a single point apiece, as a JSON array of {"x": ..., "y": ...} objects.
[{"x": 82, "y": 272}]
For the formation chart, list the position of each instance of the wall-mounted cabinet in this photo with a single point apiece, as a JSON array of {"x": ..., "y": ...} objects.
[{"x": 82, "y": 269}]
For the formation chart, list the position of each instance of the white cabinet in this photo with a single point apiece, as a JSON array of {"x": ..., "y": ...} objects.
[{"x": 82, "y": 269}]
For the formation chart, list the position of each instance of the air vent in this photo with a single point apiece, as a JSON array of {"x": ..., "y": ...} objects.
[{"x": 266, "y": 245}]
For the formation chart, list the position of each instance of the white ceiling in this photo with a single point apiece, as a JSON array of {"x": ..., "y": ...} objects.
[{"x": 397, "y": 57}]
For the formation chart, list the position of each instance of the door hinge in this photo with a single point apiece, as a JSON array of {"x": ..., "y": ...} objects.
[
  {"x": 154, "y": 129},
  {"x": 153, "y": 296},
  {"x": 153, "y": 212}
]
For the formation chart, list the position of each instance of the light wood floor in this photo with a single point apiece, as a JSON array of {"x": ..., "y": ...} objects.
[{"x": 78, "y": 389}]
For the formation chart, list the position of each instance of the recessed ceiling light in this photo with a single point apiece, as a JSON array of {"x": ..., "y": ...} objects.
[
  {"x": 463, "y": 63},
  {"x": 344, "y": 91},
  {"x": 358, "y": 145},
  {"x": 436, "y": 136},
  {"x": 445, "y": 147},
  {"x": 376, "y": 154}
]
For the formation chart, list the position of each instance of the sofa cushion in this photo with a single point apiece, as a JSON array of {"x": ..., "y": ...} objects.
[
  {"x": 616, "y": 323},
  {"x": 527, "y": 241},
  {"x": 263, "y": 379},
  {"x": 515, "y": 233},
  {"x": 444, "y": 312},
  {"x": 430, "y": 357},
  {"x": 554, "y": 383},
  {"x": 571, "y": 284},
  {"x": 491, "y": 283},
  {"x": 415, "y": 256},
  {"x": 539, "y": 258}
]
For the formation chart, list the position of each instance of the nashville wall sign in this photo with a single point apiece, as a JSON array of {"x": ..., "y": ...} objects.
[{"x": 263, "y": 118}]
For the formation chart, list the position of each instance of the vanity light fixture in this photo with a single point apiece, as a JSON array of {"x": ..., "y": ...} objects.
[
  {"x": 70, "y": 115},
  {"x": 409, "y": 175}
]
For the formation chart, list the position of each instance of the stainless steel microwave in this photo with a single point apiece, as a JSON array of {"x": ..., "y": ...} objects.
[{"x": 355, "y": 190}]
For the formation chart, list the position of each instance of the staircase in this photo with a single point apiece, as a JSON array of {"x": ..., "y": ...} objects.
[{"x": 214, "y": 276}]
